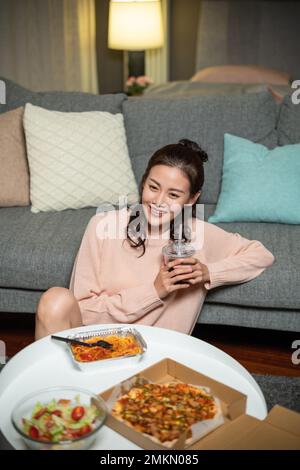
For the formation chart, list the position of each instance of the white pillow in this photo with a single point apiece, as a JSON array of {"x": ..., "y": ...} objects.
[{"x": 76, "y": 159}]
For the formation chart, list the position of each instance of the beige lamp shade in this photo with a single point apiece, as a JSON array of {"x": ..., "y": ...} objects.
[{"x": 135, "y": 25}]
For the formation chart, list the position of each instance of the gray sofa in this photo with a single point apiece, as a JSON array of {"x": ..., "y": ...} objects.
[{"x": 37, "y": 251}]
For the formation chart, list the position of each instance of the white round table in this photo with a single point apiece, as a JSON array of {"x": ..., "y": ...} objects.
[{"x": 46, "y": 363}]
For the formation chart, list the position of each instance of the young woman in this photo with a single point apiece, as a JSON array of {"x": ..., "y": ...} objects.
[{"x": 119, "y": 275}]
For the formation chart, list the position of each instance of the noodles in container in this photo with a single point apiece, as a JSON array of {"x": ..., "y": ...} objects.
[{"x": 128, "y": 348}]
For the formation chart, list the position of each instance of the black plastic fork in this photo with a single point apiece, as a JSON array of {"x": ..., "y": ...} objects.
[{"x": 102, "y": 343}]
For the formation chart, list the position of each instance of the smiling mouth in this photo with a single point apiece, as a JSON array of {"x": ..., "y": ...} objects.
[{"x": 157, "y": 212}]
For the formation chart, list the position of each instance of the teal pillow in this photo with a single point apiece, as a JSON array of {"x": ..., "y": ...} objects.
[{"x": 258, "y": 184}]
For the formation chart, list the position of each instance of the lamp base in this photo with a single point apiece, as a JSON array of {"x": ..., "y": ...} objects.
[{"x": 136, "y": 63}]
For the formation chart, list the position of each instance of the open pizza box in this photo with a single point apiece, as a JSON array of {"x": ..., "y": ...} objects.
[{"x": 280, "y": 430}]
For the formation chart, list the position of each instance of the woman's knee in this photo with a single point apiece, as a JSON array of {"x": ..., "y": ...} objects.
[{"x": 56, "y": 302}]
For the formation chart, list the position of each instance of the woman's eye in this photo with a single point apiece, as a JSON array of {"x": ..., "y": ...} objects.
[
  {"x": 173, "y": 196},
  {"x": 152, "y": 187}
]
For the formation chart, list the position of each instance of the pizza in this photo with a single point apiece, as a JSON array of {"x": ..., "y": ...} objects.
[{"x": 165, "y": 411}]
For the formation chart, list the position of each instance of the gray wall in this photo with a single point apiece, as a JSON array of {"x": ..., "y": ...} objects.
[
  {"x": 264, "y": 33},
  {"x": 183, "y": 38}
]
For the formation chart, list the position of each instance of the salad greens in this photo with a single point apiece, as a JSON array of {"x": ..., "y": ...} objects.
[{"x": 60, "y": 420}]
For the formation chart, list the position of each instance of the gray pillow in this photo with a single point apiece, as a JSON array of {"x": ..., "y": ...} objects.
[
  {"x": 17, "y": 95},
  {"x": 289, "y": 122},
  {"x": 152, "y": 123}
]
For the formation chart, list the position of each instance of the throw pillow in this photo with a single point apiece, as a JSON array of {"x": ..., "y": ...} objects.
[
  {"x": 14, "y": 174},
  {"x": 258, "y": 184},
  {"x": 241, "y": 74},
  {"x": 76, "y": 159}
]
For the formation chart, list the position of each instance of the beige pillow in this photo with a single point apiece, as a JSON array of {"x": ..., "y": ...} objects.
[
  {"x": 241, "y": 74},
  {"x": 14, "y": 174},
  {"x": 76, "y": 159}
]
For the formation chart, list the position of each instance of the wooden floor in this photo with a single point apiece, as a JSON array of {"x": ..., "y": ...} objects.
[{"x": 260, "y": 351}]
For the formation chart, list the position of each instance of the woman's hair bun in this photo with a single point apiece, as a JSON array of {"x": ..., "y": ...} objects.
[{"x": 195, "y": 147}]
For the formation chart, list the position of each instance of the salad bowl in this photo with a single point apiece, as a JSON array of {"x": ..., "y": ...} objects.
[{"x": 59, "y": 418}]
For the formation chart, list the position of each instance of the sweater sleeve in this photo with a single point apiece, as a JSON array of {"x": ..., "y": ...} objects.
[
  {"x": 126, "y": 306},
  {"x": 232, "y": 259}
]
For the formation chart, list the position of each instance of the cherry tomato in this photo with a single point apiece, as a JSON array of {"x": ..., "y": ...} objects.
[
  {"x": 77, "y": 413},
  {"x": 33, "y": 432},
  {"x": 73, "y": 433},
  {"x": 85, "y": 429}
]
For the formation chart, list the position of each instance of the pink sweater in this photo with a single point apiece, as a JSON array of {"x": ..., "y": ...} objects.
[{"x": 113, "y": 285}]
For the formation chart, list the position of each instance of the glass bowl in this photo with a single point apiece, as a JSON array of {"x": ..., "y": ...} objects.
[{"x": 83, "y": 436}]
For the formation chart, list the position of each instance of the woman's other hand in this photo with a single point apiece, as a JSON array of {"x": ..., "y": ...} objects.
[
  {"x": 199, "y": 271},
  {"x": 180, "y": 274},
  {"x": 167, "y": 280}
]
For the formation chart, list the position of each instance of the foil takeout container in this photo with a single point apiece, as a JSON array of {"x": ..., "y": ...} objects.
[{"x": 113, "y": 362}]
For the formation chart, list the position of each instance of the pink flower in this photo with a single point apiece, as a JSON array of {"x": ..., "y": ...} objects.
[
  {"x": 137, "y": 85},
  {"x": 130, "y": 81},
  {"x": 143, "y": 81}
]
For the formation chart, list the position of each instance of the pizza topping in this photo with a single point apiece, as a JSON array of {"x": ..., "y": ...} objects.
[{"x": 165, "y": 411}]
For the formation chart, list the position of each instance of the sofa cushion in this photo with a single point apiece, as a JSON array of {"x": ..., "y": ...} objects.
[
  {"x": 277, "y": 286},
  {"x": 44, "y": 246},
  {"x": 19, "y": 300},
  {"x": 14, "y": 173},
  {"x": 289, "y": 122},
  {"x": 77, "y": 101},
  {"x": 188, "y": 88},
  {"x": 250, "y": 317},
  {"x": 258, "y": 184},
  {"x": 154, "y": 122},
  {"x": 76, "y": 160},
  {"x": 17, "y": 95}
]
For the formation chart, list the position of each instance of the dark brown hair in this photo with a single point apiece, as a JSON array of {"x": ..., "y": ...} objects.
[{"x": 188, "y": 157}]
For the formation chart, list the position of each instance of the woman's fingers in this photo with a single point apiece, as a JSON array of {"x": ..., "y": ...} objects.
[
  {"x": 180, "y": 277},
  {"x": 193, "y": 276},
  {"x": 181, "y": 270},
  {"x": 182, "y": 262},
  {"x": 178, "y": 286},
  {"x": 196, "y": 280}
]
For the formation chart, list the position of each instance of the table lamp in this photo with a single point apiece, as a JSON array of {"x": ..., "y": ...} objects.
[{"x": 135, "y": 26}]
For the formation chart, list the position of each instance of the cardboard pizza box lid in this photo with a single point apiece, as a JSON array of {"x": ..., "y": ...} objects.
[
  {"x": 279, "y": 431},
  {"x": 285, "y": 419}
]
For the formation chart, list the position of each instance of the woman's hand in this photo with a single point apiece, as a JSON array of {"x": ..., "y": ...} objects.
[
  {"x": 187, "y": 270},
  {"x": 166, "y": 279},
  {"x": 200, "y": 273}
]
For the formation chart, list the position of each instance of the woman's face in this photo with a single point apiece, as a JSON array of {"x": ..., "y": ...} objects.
[{"x": 165, "y": 192}]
